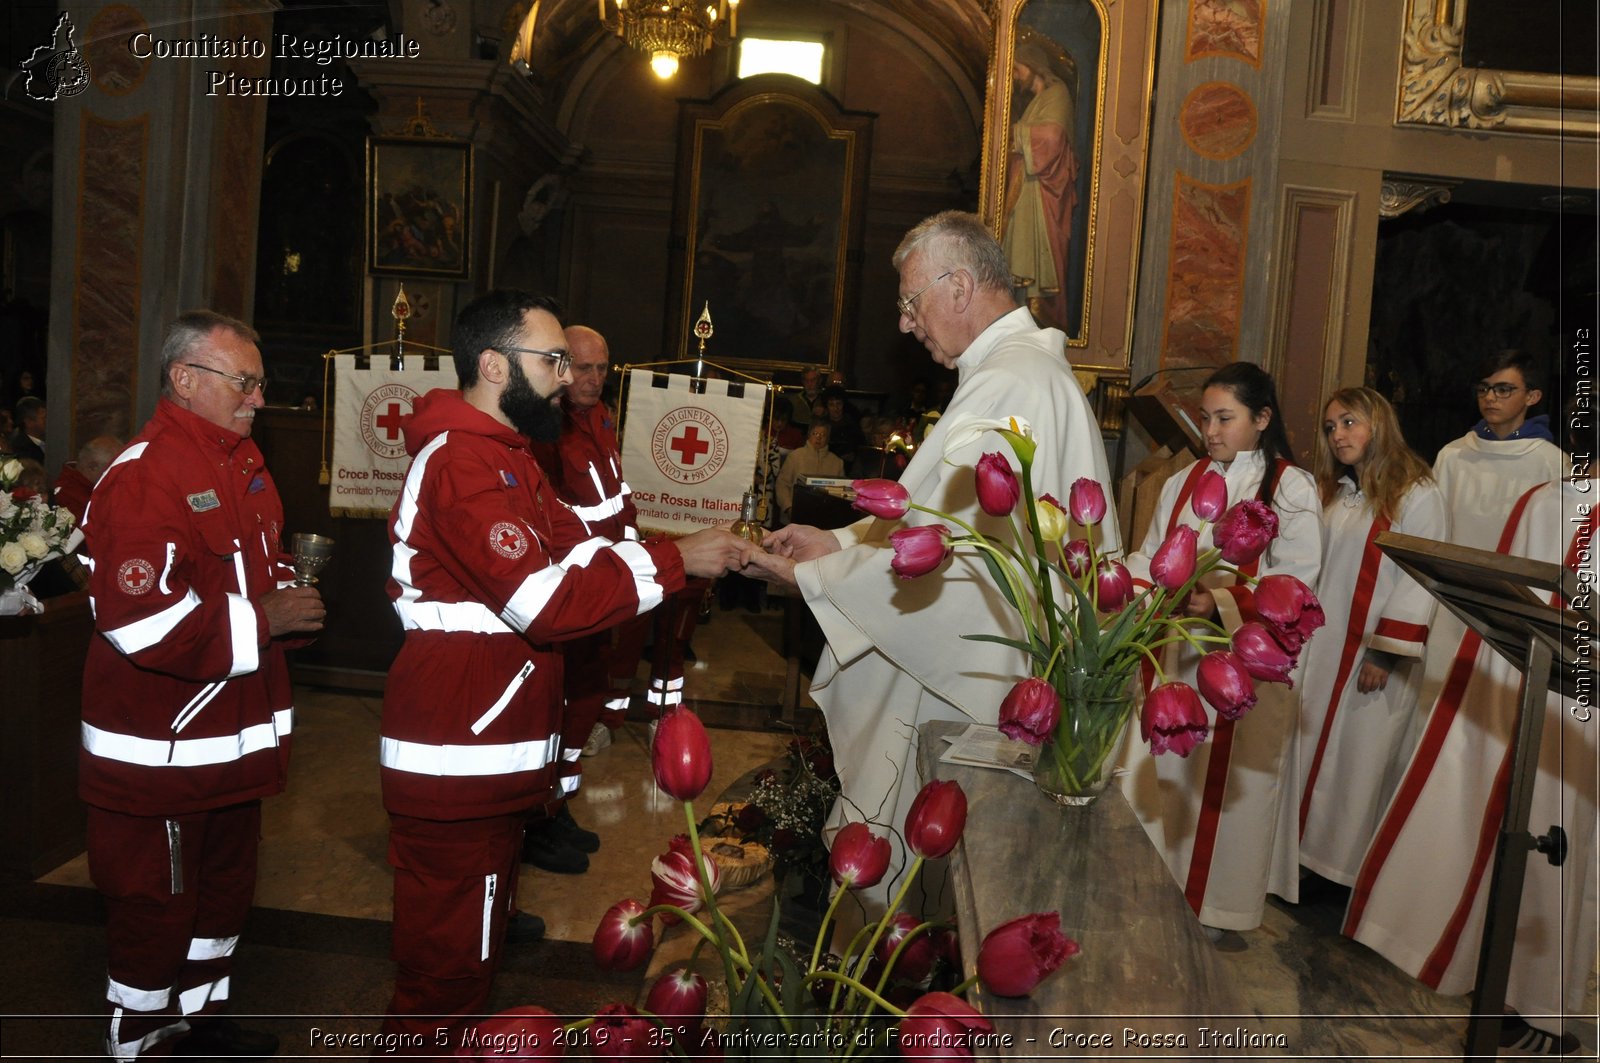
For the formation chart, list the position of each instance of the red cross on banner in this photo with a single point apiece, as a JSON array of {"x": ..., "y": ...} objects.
[
  {"x": 389, "y": 421},
  {"x": 689, "y": 446}
]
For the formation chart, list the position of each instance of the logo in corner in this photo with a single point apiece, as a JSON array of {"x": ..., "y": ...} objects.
[{"x": 57, "y": 70}]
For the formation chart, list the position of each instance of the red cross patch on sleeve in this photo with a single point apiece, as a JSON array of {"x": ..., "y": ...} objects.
[
  {"x": 508, "y": 540},
  {"x": 136, "y": 576}
]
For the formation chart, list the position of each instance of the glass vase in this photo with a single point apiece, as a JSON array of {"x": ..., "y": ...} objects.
[{"x": 1072, "y": 766}]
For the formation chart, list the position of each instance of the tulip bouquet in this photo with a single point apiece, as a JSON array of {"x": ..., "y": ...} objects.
[
  {"x": 32, "y": 531},
  {"x": 823, "y": 1006},
  {"x": 1088, "y": 629}
]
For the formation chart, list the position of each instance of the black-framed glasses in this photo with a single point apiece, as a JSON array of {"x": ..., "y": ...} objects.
[
  {"x": 562, "y": 358},
  {"x": 245, "y": 384},
  {"x": 1501, "y": 391},
  {"x": 904, "y": 305}
]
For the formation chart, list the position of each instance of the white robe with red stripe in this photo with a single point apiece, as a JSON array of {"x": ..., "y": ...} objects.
[
  {"x": 1223, "y": 817},
  {"x": 1353, "y": 746},
  {"x": 1423, "y": 888}
]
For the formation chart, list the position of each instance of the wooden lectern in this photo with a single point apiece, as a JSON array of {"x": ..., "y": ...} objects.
[{"x": 1495, "y": 596}]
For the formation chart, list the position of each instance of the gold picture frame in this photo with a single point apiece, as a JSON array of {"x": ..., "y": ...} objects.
[{"x": 419, "y": 207}]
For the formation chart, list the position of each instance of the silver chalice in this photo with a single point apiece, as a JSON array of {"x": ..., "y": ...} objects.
[{"x": 311, "y": 554}]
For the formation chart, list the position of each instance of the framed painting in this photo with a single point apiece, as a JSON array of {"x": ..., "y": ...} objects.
[
  {"x": 1066, "y": 135},
  {"x": 769, "y": 213},
  {"x": 419, "y": 207}
]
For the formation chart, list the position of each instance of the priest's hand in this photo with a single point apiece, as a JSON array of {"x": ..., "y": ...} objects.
[
  {"x": 1375, "y": 669},
  {"x": 801, "y": 542},
  {"x": 774, "y": 568},
  {"x": 713, "y": 551},
  {"x": 293, "y": 611}
]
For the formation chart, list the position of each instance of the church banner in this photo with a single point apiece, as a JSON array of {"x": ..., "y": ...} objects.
[
  {"x": 689, "y": 456},
  {"x": 369, "y": 453}
]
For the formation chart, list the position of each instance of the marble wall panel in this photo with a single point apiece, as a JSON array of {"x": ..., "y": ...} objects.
[
  {"x": 1217, "y": 120},
  {"x": 1205, "y": 272},
  {"x": 1233, "y": 28}
]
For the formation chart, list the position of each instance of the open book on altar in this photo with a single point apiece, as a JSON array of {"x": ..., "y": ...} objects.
[{"x": 982, "y": 746}]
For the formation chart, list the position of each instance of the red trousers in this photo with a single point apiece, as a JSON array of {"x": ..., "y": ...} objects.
[
  {"x": 455, "y": 884},
  {"x": 177, "y": 891}
]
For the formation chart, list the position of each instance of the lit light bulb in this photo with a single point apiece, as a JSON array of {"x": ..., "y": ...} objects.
[{"x": 665, "y": 64}]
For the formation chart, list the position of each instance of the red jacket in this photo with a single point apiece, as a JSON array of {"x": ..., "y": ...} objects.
[
  {"x": 186, "y": 701},
  {"x": 586, "y": 470},
  {"x": 490, "y": 569},
  {"x": 72, "y": 490}
]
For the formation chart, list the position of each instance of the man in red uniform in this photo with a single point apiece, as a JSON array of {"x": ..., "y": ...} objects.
[
  {"x": 490, "y": 571},
  {"x": 186, "y": 697},
  {"x": 77, "y": 479}
]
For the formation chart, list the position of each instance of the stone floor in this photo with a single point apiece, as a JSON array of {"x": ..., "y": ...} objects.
[{"x": 314, "y": 959}]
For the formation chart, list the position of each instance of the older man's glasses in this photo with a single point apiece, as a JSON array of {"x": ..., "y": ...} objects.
[
  {"x": 562, "y": 358},
  {"x": 905, "y": 305},
  {"x": 246, "y": 384},
  {"x": 1501, "y": 391}
]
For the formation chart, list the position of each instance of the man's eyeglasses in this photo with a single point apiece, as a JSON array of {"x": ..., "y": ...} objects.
[
  {"x": 904, "y": 305},
  {"x": 563, "y": 359},
  {"x": 1501, "y": 391},
  {"x": 245, "y": 384}
]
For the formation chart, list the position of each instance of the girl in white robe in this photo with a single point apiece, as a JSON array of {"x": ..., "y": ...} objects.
[
  {"x": 1363, "y": 669},
  {"x": 1422, "y": 891},
  {"x": 1223, "y": 817}
]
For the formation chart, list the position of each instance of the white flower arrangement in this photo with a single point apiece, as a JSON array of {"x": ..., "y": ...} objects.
[{"x": 32, "y": 532}]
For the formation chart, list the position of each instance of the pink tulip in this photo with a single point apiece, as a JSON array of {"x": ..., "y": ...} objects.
[
  {"x": 937, "y": 817},
  {"x": 1288, "y": 605},
  {"x": 1225, "y": 683},
  {"x": 679, "y": 995},
  {"x": 1030, "y": 711},
  {"x": 1087, "y": 502},
  {"x": 1116, "y": 585},
  {"x": 620, "y": 1032},
  {"x": 1210, "y": 496},
  {"x": 859, "y": 857},
  {"x": 881, "y": 498},
  {"x": 1173, "y": 719},
  {"x": 916, "y": 962},
  {"x": 681, "y": 755},
  {"x": 918, "y": 551},
  {"x": 1263, "y": 655},
  {"x": 1173, "y": 565},
  {"x": 624, "y": 938},
  {"x": 997, "y": 485},
  {"x": 1017, "y": 955},
  {"x": 535, "y": 1032},
  {"x": 675, "y": 880},
  {"x": 1244, "y": 531},
  {"x": 940, "y": 1026},
  {"x": 1078, "y": 557}
]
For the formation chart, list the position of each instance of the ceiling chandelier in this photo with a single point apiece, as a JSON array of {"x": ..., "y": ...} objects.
[{"x": 670, "y": 30}]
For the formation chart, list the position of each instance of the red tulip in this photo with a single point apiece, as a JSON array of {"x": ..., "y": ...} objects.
[
  {"x": 620, "y": 1032},
  {"x": 937, "y": 817},
  {"x": 1244, "y": 531},
  {"x": 881, "y": 498},
  {"x": 1087, "y": 502},
  {"x": 1173, "y": 565},
  {"x": 1210, "y": 496},
  {"x": 940, "y": 1026},
  {"x": 1173, "y": 719},
  {"x": 859, "y": 857},
  {"x": 680, "y": 995},
  {"x": 1030, "y": 711},
  {"x": 681, "y": 755},
  {"x": 916, "y": 962},
  {"x": 997, "y": 485},
  {"x": 624, "y": 938},
  {"x": 1291, "y": 609},
  {"x": 947, "y": 943},
  {"x": 525, "y": 1032},
  {"x": 1016, "y": 956},
  {"x": 1077, "y": 557},
  {"x": 918, "y": 551},
  {"x": 675, "y": 880},
  {"x": 1116, "y": 585},
  {"x": 1225, "y": 683},
  {"x": 1263, "y": 655}
]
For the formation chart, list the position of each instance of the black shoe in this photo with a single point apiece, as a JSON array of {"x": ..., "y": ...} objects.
[
  {"x": 566, "y": 828},
  {"x": 548, "y": 850},
  {"x": 211, "y": 1036},
  {"x": 1517, "y": 1038},
  {"x": 524, "y": 928}
]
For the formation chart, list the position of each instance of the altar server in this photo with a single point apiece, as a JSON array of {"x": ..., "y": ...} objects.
[{"x": 1224, "y": 816}]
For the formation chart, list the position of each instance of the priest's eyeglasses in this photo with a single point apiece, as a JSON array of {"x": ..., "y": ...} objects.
[
  {"x": 1501, "y": 391},
  {"x": 904, "y": 305},
  {"x": 245, "y": 384},
  {"x": 563, "y": 359}
]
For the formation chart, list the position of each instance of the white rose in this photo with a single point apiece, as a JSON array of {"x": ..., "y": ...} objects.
[
  {"x": 8, "y": 508},
  {"x": 33, "y": 545},
  {"x": 13, "y": 558},
  {"x": 11, "y": 471}
]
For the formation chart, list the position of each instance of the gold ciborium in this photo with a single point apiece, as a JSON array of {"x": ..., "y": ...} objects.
[{"x": 311, "y": 554}]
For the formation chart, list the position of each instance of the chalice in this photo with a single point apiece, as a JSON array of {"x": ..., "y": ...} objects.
[{"x": 311, "y": 554}]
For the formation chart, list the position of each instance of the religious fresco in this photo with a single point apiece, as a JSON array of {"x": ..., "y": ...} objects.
[
  {"x": 1234, "y": 28},
  {"x": 1205, "y": 279},
  {"x": 418, "y": 207}
]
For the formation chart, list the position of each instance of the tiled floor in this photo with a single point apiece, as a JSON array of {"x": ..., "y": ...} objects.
[{"x": 323, "y": 897}]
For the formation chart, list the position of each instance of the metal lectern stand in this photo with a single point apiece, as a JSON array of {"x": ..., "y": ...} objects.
[{"x": 1495, "y": 596}]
